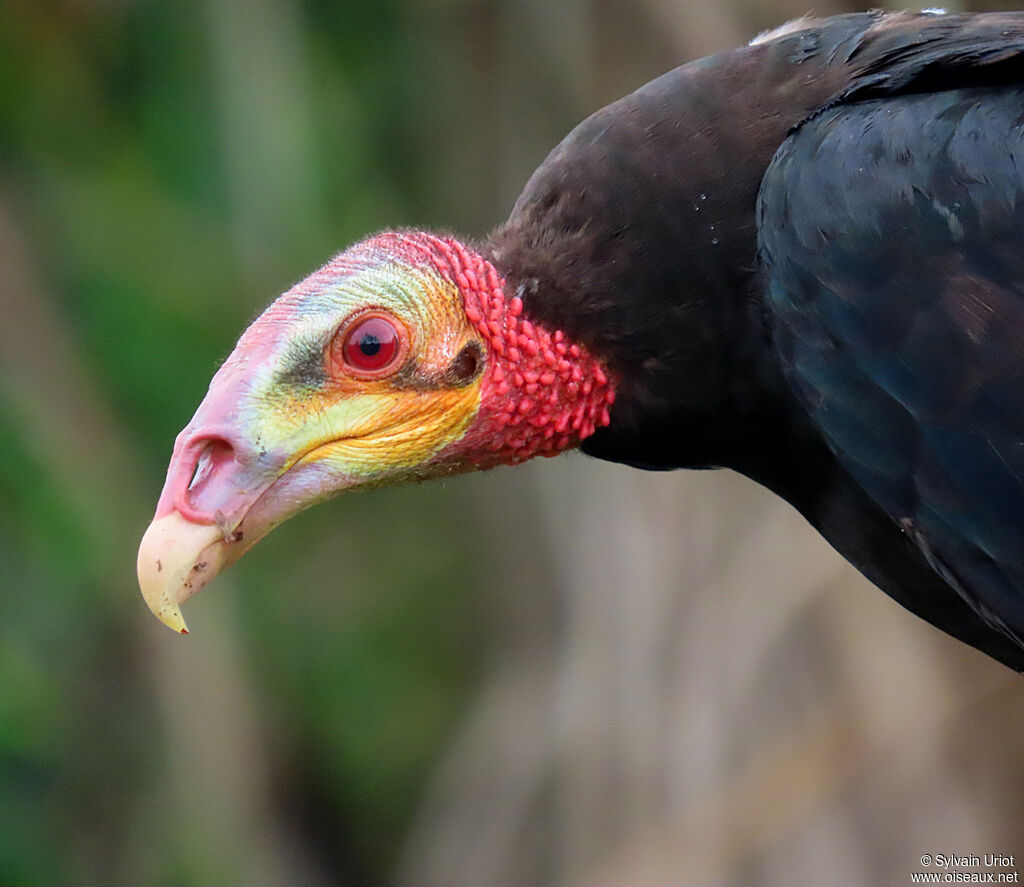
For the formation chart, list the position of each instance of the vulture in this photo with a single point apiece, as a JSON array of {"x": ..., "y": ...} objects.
[{"x": 802, "y": 259}]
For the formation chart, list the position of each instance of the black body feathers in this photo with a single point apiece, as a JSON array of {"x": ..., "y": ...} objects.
[{"x": 804, "y": 260}]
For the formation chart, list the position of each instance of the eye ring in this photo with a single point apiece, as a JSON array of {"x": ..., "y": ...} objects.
[{"x": 370, "y": 345}]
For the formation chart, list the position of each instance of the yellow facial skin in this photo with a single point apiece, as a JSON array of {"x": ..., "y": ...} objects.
[
  {"x": 287, "y": 424},
  {"x": 370, "y": 427},
  {"x": 397, "y": 430}
]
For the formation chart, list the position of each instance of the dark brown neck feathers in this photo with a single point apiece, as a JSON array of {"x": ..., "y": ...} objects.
[{"x": 638, "y": 237}]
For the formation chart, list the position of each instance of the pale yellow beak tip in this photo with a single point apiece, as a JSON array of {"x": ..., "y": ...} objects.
[
  {"x": 172, "y": 618},
  {"x": 176, "y": 559}
]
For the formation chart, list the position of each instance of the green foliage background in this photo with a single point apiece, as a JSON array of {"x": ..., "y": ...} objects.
[{"x": 166, "y": 168}]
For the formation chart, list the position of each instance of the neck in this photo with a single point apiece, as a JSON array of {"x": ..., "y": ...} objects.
[
  {"x": 541, "y": 391},
  {"x": 638, "y": 237}
]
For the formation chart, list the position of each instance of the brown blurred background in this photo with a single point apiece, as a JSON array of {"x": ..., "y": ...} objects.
[{"x": 568, "y": 673}]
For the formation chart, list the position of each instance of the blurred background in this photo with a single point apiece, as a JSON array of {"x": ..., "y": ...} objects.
[{"x": 569, "y": 673}]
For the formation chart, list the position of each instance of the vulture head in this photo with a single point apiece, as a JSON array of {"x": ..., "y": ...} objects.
[{"x": 401, "y": 359}]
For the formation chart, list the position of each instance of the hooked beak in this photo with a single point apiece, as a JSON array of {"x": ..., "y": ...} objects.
[
  {"x": 209, "y": 514},
  {"x": 170, "y": 571},
  {"x": 226, "y": 488}
]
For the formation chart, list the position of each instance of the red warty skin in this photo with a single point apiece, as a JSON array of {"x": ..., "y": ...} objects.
[{"x": 541, "y": 393}]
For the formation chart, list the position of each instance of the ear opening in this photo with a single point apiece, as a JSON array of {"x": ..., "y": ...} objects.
[{"x": 467, "y": 364}]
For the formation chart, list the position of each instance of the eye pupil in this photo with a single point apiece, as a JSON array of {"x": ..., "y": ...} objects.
[{"x": 371, "y": 345}]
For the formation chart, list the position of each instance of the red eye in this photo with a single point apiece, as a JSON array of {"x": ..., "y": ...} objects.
[{"x": 372, "y": 345}]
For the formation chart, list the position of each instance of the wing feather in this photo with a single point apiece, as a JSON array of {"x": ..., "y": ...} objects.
[{"x": 892, "y": 242}]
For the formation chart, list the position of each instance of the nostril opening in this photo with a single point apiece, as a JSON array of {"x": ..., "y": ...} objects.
[{"x": 215, "y": 455}]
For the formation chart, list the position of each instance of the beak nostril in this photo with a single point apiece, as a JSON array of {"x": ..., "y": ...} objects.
[
  {"x": 214, "y": 479},
  {"x": 215, "y": 452},
  {"x": 216, "y": 455}
]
